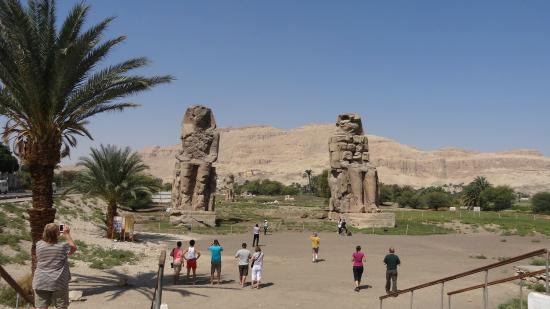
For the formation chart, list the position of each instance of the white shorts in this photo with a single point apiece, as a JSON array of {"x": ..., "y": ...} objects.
[{"x": 256, "y": 273}]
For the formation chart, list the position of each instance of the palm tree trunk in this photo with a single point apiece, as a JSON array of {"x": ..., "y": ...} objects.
[
  {"x": 111, "y": 213},
  {"x": 42, "y": 211}
]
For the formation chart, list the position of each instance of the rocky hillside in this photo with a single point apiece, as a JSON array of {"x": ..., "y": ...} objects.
[{"x": 267, "y": 152}]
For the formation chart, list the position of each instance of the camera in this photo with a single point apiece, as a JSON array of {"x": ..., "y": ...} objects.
[{"x": 61, "y": 227}]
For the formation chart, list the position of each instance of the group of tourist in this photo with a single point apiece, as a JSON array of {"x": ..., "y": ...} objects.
[
  {"x": 245, "y": 260},
  {"x": 52, "y": 275},
  {"x": 391, "y": 260}
]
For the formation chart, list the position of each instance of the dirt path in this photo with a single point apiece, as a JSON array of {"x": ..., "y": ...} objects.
[{"x": 291, "y": 280}]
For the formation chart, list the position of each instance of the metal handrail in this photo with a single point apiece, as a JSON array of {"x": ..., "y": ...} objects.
[
  {"x": 471, "y": 272},
  {"x": 157, "y": 296},
  {"x": 4, "y": 274},
  {"x": 468, "y": 273},
  {"x": 499, "y": 281}
]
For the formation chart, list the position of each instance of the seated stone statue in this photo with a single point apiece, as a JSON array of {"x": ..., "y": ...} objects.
[
  {"x": 353, "y": 181},
  {"x": 194, "y": 176}
]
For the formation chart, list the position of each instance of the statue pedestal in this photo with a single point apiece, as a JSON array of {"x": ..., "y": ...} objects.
[
  {"x": 193, "y": 217},
  {"x": 366, "y": 220}
]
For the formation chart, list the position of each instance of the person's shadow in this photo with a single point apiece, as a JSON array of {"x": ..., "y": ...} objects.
[{"x": 365, "y": 286}]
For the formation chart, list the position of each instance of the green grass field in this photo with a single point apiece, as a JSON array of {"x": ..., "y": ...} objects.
[{"x": 240, "y": 216}]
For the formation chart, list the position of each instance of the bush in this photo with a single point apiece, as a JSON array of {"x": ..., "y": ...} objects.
[
  {"x": 266, "y": 187},
  {"x": 541, "y": 202},
  {"x": 409, "y": 199},
  {"x": 8, "y": 295},
  {"x": 436, "y": 200},
  {"x": 497, "y": 198}
]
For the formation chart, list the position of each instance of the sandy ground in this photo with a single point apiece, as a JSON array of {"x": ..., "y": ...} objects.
[{"x": 291, "y": 280}]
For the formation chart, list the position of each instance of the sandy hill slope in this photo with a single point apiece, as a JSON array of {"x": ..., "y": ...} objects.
[{"x": 268, "y": 152}]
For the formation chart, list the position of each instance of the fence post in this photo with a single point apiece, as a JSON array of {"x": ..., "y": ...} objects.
[
  {"x": 449, "y": 301},
  {"x": 520, "y": 294},
  {"x": 160, "y": 276},
  {"x": 407, "y": 230},
  {"x": 412, "y": 297},
  {"x": 547, "y": 266},
  {"x": 485, "y": 291},
  {"x": 380, "y": 304},
  {"x": 442, "y": 294}
]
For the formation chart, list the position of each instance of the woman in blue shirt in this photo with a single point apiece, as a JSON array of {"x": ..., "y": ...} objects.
[{"x": 216, "y": 261}]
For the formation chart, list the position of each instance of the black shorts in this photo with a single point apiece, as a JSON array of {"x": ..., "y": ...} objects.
[
  {"x": 357, "y": 273},
  {"x": 243, "y": 270}
]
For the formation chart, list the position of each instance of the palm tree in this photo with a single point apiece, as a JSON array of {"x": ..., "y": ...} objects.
[
  {"x": 50, "y": 87},
  {"x": 307, "y": 174},
  {"x": 114, "y": 175},
  {"x": 472, "y": 192}
]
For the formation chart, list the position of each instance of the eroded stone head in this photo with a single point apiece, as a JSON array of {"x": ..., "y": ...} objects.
[
  {"x": 349, "y": 123},
  {"x": 198, "y": 117}
]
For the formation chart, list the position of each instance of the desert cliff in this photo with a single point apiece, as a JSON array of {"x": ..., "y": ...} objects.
[{"x": 267, "y": 152}]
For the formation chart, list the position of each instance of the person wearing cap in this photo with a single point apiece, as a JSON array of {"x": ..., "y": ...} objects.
[{"x": 266, "y": 226}]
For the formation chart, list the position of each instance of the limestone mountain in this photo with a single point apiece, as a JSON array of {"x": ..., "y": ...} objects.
[{"x": 283, "y": 155}]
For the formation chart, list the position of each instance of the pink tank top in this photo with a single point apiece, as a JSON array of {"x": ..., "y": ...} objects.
[
  {"x": 177, "y": 254},
  {"x": 358, "y": 258}
]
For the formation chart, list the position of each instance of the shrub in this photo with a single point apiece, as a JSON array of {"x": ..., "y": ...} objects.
[
  {"x": 436, "y": 200},
  {"x": 409, "y": 199},
  {"x": 541, "y": 202},
  {"x": 497, "y": 198},
  {"x": 8, "y": 295}
]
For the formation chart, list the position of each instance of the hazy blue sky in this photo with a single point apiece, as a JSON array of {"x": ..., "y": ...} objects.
[{"x": 472, "y": 74}]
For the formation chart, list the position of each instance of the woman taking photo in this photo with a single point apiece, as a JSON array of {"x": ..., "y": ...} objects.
[{"x": 52, "y": 275}]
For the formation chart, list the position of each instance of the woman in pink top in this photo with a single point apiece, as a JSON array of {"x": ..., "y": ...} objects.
[
  {"x": 177, "y": 262},
  {"x": 357, "y": 258}
]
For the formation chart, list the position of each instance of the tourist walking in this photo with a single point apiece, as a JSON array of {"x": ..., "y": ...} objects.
[
  {"x": 315, "y": 241},
  {"x": 52, "y": 274},
  {"x": 357, "y": 259},
  {"x": 340, "y": 226},
  {"x": 266, "y": 226},
  {"x": 257, "y": 266},
  {"x": 216, "y": 261},
  {"x": 177, "y": 261},
  {"x": 191, "y": 255},
  {"x": 243, "y": 256},
  {"x": 344, "y": 227},
  {"x": 256, "y": 237},
  {"x": 392, "y": 261}
]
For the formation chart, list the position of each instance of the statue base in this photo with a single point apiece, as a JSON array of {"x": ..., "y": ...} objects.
[
  {"x": 366, "y": 220},
  {"x": 193, "y": 218}
]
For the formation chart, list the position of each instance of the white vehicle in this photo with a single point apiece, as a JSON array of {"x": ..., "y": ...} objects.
[{"x": 4, "y": 186}]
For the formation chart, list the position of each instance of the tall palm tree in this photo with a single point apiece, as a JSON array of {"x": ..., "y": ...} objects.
[
  {"x": 50, "y": 87},
  {"x": 472, "y": 192},
  {"x": 307, "y": 174},
  {"x": 113, "y": 174}
]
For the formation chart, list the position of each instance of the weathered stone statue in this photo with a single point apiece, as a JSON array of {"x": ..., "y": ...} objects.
[
  {"x": 228, "y": 187},
  {"x": 194, "y": 174},
  {"x": 353, "y": 180}
]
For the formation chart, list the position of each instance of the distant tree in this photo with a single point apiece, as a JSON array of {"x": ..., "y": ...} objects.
[
  {"x": 24, "y": 177},
  {"x": 409, "y": 199},
  {"x": 65, "y": 178},
  {"x": 497, "y": 198},
  {"x": 8, "y": 163},
  {"x": 471, "y": 196},
  {"x": 436, "y": 200},
  {"x": 114, "y": 175},
  {"x": 541, "y": 202},
  {"x": 307, "y": 174},
  {"x": 320, "y": 184}
]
